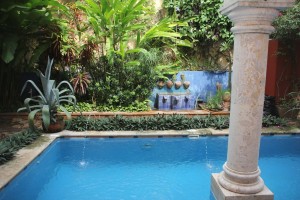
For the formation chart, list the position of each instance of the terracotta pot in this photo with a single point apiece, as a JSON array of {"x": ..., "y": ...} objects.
[
  {"x": 169, "y": 84},
  {"x": 226, "y": 106},
  {"x": 186, "y": 84},
  {"x": 56, "y": 127},
  {"x": 178, "y": 84},
  {"x": 160, "y": 84}
]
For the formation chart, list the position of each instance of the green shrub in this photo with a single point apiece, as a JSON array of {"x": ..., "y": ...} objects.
[
  {"x": 13, "y": 143},
  {"x": 89, "y": 107},
  {"x": 270, "y": 120},
  {"x": 119, "y": 85},
  {"x": 287, "y": 24},
  {"x": 136, "y": 106},
  {"x": 160, "y": 122},
  {"x": 206, "y": 23}
]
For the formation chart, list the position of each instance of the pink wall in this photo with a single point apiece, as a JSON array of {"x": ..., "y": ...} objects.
[{"x": 282, "y": 75}]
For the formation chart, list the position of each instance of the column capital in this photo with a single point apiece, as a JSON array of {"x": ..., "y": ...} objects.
[
  {"x": 230, "y": 5},
  {"x": 253, "y": 16}
]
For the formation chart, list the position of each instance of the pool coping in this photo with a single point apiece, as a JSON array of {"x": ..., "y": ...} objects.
[{"x": 27, "y": 154}]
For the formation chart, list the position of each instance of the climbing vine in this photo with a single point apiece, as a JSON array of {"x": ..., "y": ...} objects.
[
  {"x": 206, "y": 24},
  {"x": 209, "y": 31}
]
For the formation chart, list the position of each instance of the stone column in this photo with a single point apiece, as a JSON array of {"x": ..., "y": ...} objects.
[{"x": 252, "y": 20}]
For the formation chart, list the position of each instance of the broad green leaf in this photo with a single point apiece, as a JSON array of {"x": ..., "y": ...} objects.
[
  {"x": 133, "y": 63},
  {"x": 9, "y": 46},
  {"x": 37, "y": 89},
  {"x": 137, "y": 50},
  {"x": 38, "y": 52}
]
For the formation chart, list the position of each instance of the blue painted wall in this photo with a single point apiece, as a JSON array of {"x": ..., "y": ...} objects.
[{"x": 203, "y": 84}]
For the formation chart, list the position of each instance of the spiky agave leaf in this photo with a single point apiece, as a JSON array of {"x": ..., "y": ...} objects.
[
  {"x": 68, "y": 114},
  {"x": 46, "y": 116},
  {"x": 71, "y": 98},
  {"x": 47, "y": 84},
  {"x": 64, "y": 91},
  {"x": 27, "y": 103},
  {"x": 66, "y": 83},
  {"x": 35, "y": 87},
  {"x": 48, "y": 69}
]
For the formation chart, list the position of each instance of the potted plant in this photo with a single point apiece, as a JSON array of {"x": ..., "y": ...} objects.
[
  {"x": 226, "y": 100},
  {"x": 48, "y": 101},
  {"x": 215, "y": 103}
]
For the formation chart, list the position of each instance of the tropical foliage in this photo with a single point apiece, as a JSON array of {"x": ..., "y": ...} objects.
[
  {"x": 26, "y": 32},
  {"x": 112, "y": 51},
  {"x": 206, "y": 23},
  {"x": 49, "y": 100},
  {"x": 115, "y": 41},
  {"x": 121, "y": 24},
  {"x": 129, "y": 49}
]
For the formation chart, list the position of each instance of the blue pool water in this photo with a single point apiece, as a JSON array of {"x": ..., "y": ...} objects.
[{"x": 147, "y": 169}]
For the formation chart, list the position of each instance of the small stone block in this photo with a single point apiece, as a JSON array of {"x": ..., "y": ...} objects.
[{"x": 222, "y": 194}]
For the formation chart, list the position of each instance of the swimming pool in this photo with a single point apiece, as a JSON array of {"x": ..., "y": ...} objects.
[{"x": 147, "y": 168}]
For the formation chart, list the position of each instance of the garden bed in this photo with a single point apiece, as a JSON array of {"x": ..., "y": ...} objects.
[{"x": 14, "y": 122}]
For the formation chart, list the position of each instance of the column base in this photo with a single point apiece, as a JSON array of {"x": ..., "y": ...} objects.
[{"x": 221, "y": 193}]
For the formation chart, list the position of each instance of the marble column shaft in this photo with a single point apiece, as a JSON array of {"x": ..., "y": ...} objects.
[{"x": 252, "y": 27}]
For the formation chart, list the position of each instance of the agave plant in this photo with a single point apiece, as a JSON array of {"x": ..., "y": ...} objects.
[{"x": 49, "y": 99}]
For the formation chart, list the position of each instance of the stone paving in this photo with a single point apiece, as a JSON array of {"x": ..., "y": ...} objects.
[{"x": 10, "y": 125}]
